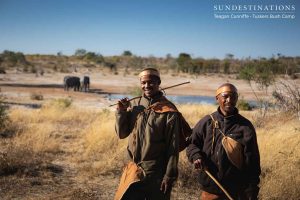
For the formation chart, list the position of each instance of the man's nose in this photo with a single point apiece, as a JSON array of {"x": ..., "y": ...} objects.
[{"x": 228, "y": 99}]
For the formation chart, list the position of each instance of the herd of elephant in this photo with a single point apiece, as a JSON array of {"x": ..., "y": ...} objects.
[{"x": 77, "y": 84}]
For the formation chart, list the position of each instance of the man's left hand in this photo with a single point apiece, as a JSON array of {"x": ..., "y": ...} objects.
[{"x": 166, "y": 185}]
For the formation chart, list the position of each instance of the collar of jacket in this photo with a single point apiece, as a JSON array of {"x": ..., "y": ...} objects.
[
  {"x": 147, "y": 101},
  {"x": 220, "y": 117}
]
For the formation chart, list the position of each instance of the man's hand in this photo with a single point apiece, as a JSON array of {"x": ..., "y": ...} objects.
[
  {"x": 123, "y": 104},
  {"x": 199, "y": 164},
  {"x": 166, "y": 185}
]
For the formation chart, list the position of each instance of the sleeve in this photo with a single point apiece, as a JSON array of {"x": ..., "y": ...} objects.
[
  {"x": 194, "y": 150},
  {"x": 123, "y": 125},
  {"x": 252, "y": 162},
  {"x": 172, "y": 137}
]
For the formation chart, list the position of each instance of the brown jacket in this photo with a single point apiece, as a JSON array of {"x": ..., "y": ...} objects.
[{"x": 153, "y": 137}]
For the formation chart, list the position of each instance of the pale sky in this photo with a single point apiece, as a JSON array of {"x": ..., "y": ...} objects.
[{"x": 145, "y": 27}]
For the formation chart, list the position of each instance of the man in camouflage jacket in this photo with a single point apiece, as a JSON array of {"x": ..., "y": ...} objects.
[{"x": 152, "y": 138}]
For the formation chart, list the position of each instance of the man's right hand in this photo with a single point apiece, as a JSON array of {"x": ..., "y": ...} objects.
[
  {"x": 123, "y": 104},
  {"x": 199, "y": 164}
]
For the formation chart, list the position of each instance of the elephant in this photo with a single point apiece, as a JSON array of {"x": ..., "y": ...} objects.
[
  {"x": 85, "y": 84},
  {"x": 71, "y": 82}
]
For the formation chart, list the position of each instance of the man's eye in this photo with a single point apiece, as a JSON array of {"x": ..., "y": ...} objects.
[{"x": 225, "y": 96}]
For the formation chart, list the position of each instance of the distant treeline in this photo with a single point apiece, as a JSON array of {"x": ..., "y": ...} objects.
[{"x": 277, "y": 64}]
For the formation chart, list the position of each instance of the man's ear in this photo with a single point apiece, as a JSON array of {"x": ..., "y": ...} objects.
[{"x": 158, "y": 81}]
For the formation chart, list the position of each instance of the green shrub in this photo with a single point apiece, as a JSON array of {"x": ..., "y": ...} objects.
[{"x": 243, "y": 105}]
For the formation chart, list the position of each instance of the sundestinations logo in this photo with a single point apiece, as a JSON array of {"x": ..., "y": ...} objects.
[{"x": 242, "y": 11}]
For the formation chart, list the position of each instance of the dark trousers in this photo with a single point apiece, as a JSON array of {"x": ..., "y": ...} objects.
[{"x": 148, "y": 189}]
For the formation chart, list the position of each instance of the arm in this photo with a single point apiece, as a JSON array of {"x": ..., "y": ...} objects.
[
  {"x": 123, "y": 118},
  {"x": 172, "y": 153},
  {"x": 252, "y": 163},
  {"x": 194, "y": 150},
  {"x": 172, "y": 134}
]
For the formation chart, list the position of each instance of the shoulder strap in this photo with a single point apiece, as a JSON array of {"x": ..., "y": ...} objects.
[
  {"x": 215, "y": 122},
  {"x": 215, "y": 125}
]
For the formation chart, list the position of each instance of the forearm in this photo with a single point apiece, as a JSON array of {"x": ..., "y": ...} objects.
[
  {"x": 173, "y": 132},
  {"x": 193, "y": 152},
  {"x": 172, "y": 169},
  {"x": 122, "y": 125}
]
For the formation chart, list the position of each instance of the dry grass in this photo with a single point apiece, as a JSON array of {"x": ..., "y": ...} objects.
[
  {"x": 85, "y": 142},
  {"x": 104, "y": 151},
  {"x": 279, "y": 148}
]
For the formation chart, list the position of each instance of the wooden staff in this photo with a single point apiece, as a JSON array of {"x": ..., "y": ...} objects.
[
  {"x": 161, "y": 89},
  {"x": 219, "y": 184}
]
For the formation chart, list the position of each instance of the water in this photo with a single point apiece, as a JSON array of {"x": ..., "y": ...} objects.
[{"x": 182, "y": 99}]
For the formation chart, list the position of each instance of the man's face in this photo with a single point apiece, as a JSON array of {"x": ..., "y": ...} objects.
[
  {"x": 227, "y": 102},
  {"x": 150, "y": 85}
]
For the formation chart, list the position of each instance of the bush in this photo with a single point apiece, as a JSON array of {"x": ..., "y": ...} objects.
[
  {"x": 3, "y": 115},
  {"x": 243, "y": 105},
  {"x": 35, "y": 96},
  {"x": 287, "y": 97},
  {"x": 17, "y": 159}
]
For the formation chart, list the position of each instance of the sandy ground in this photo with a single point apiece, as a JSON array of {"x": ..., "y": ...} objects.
[{"x": 18, "y": 87}]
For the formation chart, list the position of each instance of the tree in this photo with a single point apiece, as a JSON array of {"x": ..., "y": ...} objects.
[
  {"x": 227, "y": 62},
  {"x": 261, "y": 73},
  {"x": 127, "y": 53},
  {"x": 226, "y": 67},
  {"x": 80, "y": 52},
  {"x": 229, "y": 56},
  {"x": 11, "y": 58},
  {"x": 184, "y": 61},
  {"x": 59, "y": 53}
]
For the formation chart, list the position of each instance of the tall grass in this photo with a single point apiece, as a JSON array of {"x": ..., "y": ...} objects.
[
  {"x": 96, "y": 150},
  {"x": 278, "y": 140},
  {"x": 104, "y": 151}
]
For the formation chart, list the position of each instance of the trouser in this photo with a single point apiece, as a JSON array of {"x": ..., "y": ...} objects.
[
  {"x": 148, "y": 189},
  {"x": 210, "y": 196}
]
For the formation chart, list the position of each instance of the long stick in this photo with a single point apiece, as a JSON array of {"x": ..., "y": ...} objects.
[
  {"x": 162, "y": 89},
  {"x": 219, "y": 184}
]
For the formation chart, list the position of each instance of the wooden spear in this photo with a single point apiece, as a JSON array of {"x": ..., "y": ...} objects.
[{"x": 161, "y": 89}]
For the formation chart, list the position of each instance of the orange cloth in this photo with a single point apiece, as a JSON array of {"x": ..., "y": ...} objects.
[
  {"x": 149, "y": 72},
  {"x": 225, "y": 88},
  {"x": 131, "y": 174},
  {"x": 186, "y": 131},
  {"x": 209, "y": 196}
]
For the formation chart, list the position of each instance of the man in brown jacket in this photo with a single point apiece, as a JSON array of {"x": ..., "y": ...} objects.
[
  {"x": 152, "y": 124},
  {"x": 237, "y": 169}
]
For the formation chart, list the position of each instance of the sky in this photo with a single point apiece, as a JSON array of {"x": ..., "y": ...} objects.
[{"x": 149, "y": 27}]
